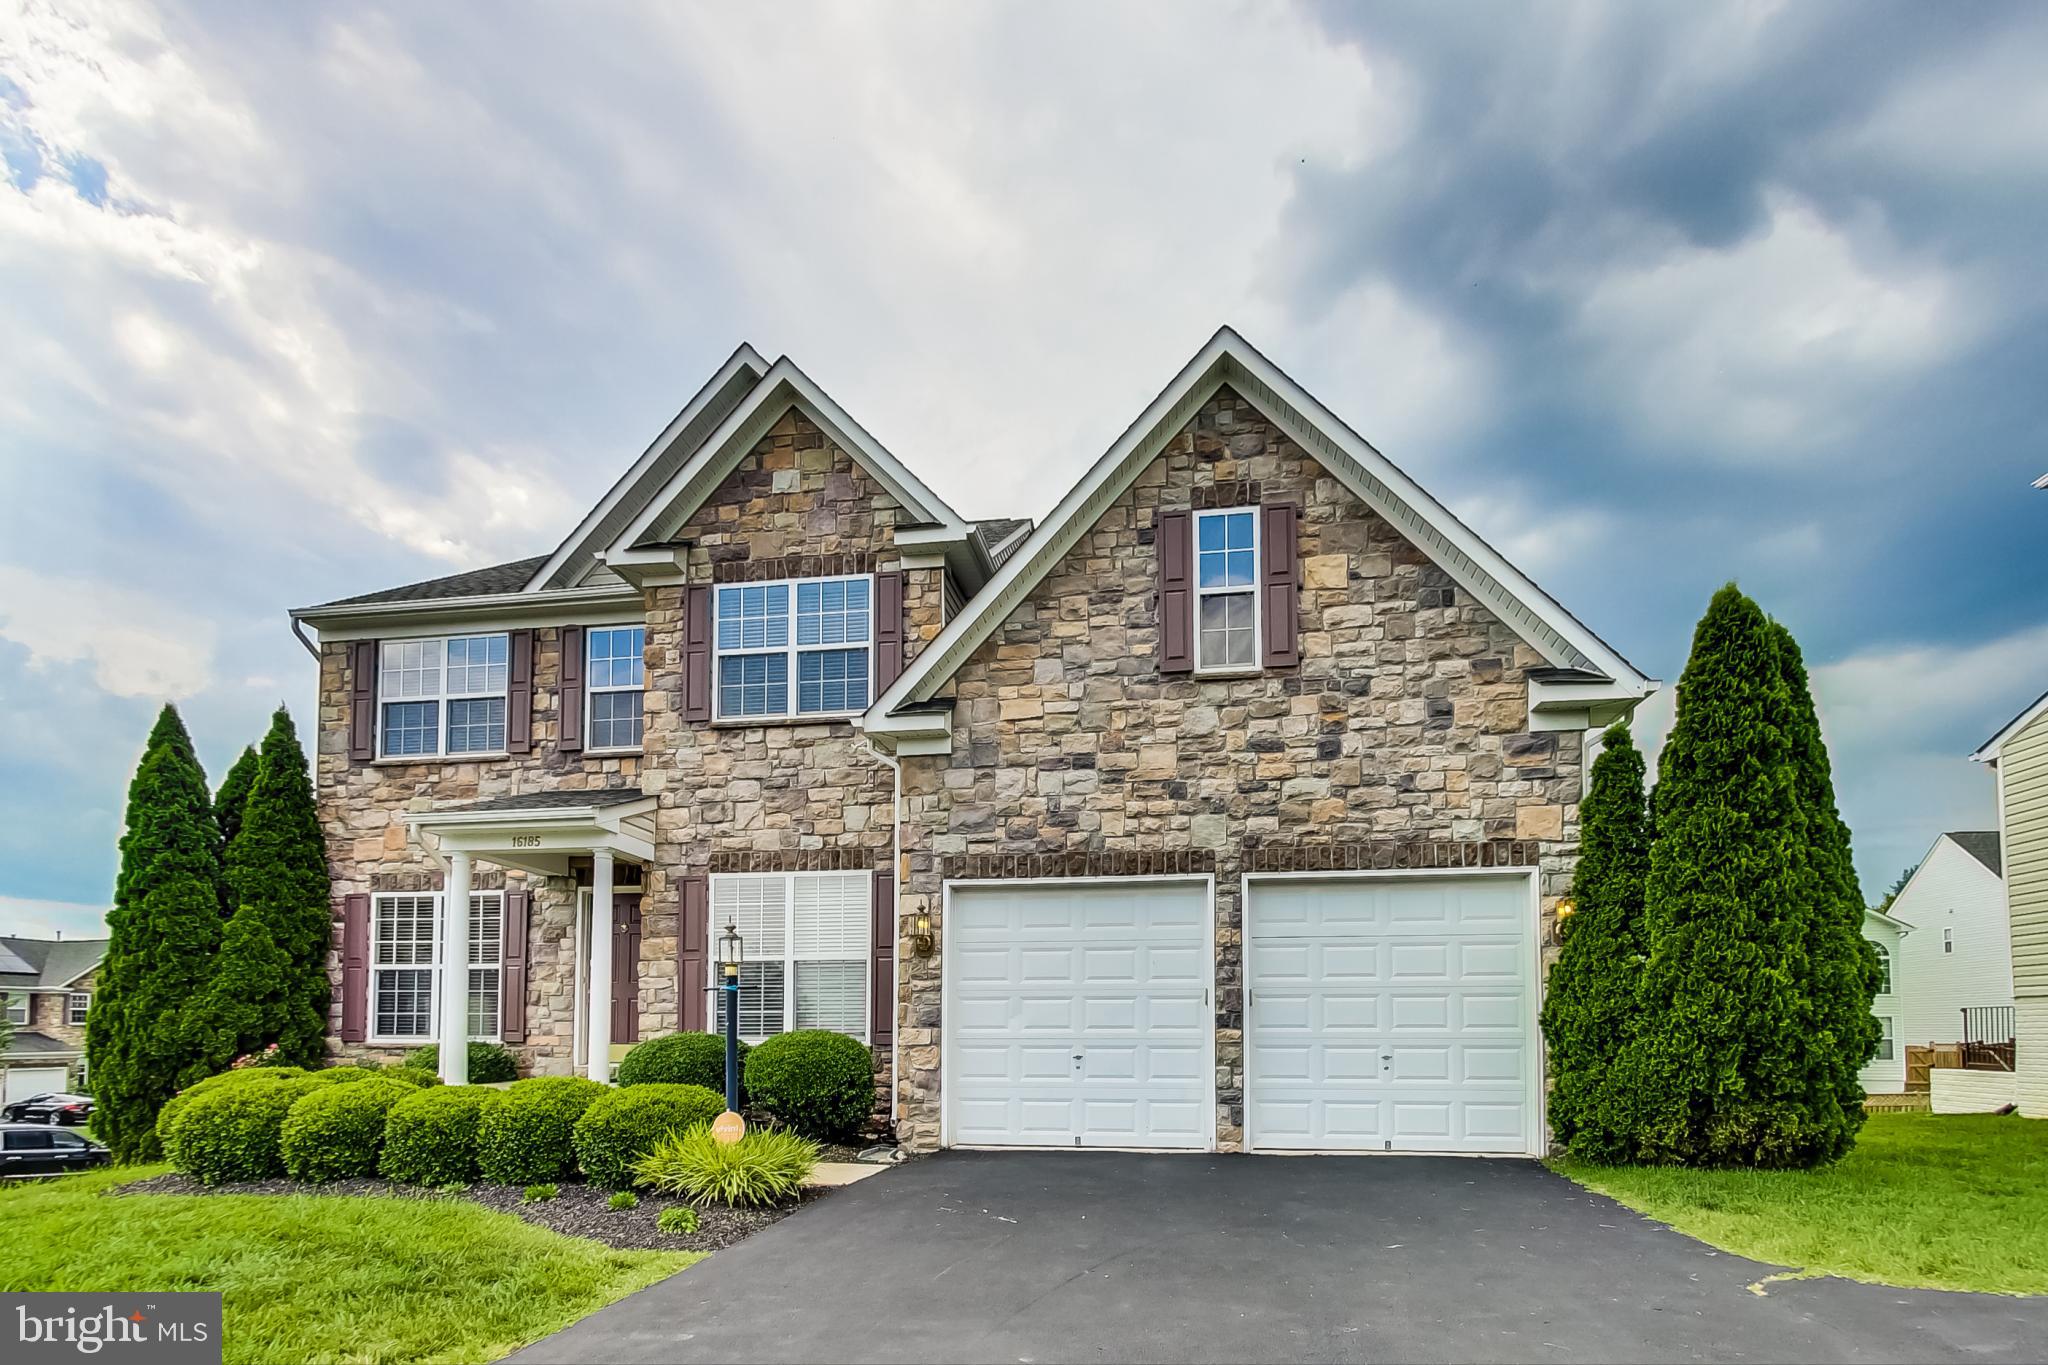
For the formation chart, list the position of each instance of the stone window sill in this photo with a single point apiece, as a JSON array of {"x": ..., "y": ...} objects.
[{"x": 409, "y": 760}]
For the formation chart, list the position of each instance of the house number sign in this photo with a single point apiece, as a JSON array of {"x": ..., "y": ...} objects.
[{"x": 526, "y": 841}]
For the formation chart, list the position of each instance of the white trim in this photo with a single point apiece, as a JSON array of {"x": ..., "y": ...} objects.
[
  {"x": 743, "y": 361},
  {"x": 1988, "y": 751},
  {"x": 1228, "y": 359},
  {"x": 1535, "y": 1090},
  {"x": 788, "y": 957},
  {"x": 791, "y": 650},
  {"x": 1251, "y": 590},
  {"x": 1206, "y": 880},
  {"x": 490, "y": 612}
]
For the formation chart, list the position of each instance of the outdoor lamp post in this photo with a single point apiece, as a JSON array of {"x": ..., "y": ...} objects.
[{"x": 731, "y": 949}]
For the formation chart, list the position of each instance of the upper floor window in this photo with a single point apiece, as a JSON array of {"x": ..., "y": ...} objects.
[
  {"x": 1884, "y": 967},
  {"x": 805, "y": 937},
  {"x": 405, "y": 965},
  {"x": 813, "y": 632},
  {"x": 616, "y": 684},
  {"x": 17, "y": 1008},
  {"x": 77, "y": 1007},
  {"x": 444, "y": 696},
  {"x": 1226, "y": 589}
]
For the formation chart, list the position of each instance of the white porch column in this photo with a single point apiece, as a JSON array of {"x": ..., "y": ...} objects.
[
  {"x": 454, "y": 1040},
  {"x": 600, "y": 1007}
]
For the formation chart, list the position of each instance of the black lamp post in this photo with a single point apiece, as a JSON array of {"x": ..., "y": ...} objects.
[{"x": 731, "y": 949}]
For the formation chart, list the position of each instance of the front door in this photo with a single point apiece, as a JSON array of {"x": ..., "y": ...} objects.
[{"x": 625, "y": 969}]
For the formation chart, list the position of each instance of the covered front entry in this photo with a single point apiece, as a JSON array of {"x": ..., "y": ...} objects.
[
  {"x": 545, "y": 834},
  {"x": 1392, "y": 1013},
  {"x": 1078, "y": 1014}
]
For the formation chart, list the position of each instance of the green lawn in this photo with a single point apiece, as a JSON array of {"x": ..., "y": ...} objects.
[
  {"x": 322, "y": 1278},
  {"x": 1939, "y": 1202}
]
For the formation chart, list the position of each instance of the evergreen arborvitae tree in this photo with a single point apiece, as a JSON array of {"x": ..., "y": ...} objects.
[
  {"x": 1844, "y": 964},
  {"x": 1720, "y": 1074},
  {"x": 270, "y": 982},
  {"x": 163, "y": 930},
  {"x": 1590, "y": 1009},
  {"x": 227, "y": 811}
]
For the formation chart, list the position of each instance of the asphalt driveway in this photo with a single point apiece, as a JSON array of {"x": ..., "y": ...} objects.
[{"x": 1104, "y": 1256}]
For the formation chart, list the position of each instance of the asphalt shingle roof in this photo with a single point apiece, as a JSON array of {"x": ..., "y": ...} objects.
[
  {"x": 47, "y": 963},
  {"x": 995, "y": 531},
  {"x": 550, "y": 800},
  {"x": 26, "y": 1045},
  {"x": 498, "y": 578},
  {"x": 1981, "y": 844}
]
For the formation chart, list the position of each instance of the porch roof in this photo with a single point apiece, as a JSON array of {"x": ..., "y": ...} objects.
[{"x": 539, "y": 832}]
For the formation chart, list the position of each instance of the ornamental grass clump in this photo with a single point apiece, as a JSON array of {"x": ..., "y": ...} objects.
[{"x": 762, "y": 1169}]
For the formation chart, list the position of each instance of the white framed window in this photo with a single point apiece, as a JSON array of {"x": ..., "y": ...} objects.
[
  {"x": 615, "y": 684},
  {"x": 805, "y": 954},
  {"x": 1948, "y": 940},
  {"x": 1227, "y": 589},
  {"x": 442, "y": 696},
  {"x": 1884, "y": 965},
  {"x": 800, "y": 647},
  {"x": 17, "y": 1008},
  {"x": 1886, "y": 1049},
  {"x": 76, "y": 1006},
  {"x": 405, "y": 964}
]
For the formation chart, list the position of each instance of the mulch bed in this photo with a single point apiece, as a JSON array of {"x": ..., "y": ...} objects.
[{"x": 578, "y": 1211}]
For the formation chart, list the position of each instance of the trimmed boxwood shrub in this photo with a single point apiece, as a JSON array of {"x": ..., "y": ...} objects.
[
  {"x": 337, "y": 1131},
  {"x": 166, "y": 1117},
  {"x": 623, "y": 1125},
  {"x": 528, "y": 1136},
  {"x": 682, "y": 1059},
  {"x": 489, "y": 1064},
  {"x": 818, "y": 1082},
  {"x": 430, "y": 1136},
  {"x": 231, "y": 1132}
]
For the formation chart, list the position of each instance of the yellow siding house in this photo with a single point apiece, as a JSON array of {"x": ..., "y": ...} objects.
[{"x": 2018, "y": 757}]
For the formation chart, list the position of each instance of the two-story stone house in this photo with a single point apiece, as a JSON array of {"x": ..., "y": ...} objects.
[
  {"x": 46, "y": 988},
  {"x": 1226, "y": 809}
]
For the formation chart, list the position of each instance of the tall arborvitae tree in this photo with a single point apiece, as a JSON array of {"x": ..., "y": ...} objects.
[
  {"x": 163, "y": 930},
  {"x": 1718, "y": 1075},
  {"x": 227, "y": 811},
  {"x": 270, "y": 982},
  {"x": 1590, "y": 1007},
  {"x": 1844, "y": 964}
]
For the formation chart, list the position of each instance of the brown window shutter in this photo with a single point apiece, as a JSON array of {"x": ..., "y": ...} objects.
[
  {"x": 355, "y": 968},
  {"x": 519, "y": 693},
  {"x": 1176, "y": 548},
  {"x": 1279, "y": 585},
  {"x": 362, "y": 701},
  {"x": 692, "y": 942},
  {"x": 882, "y": 990},
  {"x": 569, "y": 696},
  {"x": 891, "y": 630},
  {"x": 626, "y": 969},
  {"x": 512, "y": 976},
  {"x": 697, "y": 652}
]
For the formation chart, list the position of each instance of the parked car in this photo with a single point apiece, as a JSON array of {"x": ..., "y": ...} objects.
[
  {"x": 40, "y": 1149},
  {"x": 50, "y": 1107}
]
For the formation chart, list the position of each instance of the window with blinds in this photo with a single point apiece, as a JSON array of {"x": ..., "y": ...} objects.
[
  {"x": 806, "y": 950},
  {"x": 405, "y": 953}
]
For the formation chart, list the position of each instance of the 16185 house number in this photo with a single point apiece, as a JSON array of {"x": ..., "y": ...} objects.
[{"x": 526, "y": 841}]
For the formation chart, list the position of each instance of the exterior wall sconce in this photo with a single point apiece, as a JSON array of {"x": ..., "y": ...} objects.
[
  {"x": 922, "y": 940},
  {"x": 1566, "y": 908}
]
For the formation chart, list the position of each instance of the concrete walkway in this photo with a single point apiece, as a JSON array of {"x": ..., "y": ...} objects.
[{"x": 1116, "y": 1257}]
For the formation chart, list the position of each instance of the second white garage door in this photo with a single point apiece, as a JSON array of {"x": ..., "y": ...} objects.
[
  {"x": 1077, "y": 1015},
  {"x": 1391, "y": 1015}
]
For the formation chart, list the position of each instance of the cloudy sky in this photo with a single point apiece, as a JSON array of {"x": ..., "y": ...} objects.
[{"x": 304, "y": 301}]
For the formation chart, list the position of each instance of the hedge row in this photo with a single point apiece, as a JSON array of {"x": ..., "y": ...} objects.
[{"x": 818, "y": 1082}]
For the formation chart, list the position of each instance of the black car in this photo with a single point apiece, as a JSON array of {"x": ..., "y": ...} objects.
[
  {"x": 50, "y": 1107},
  {"x": 40, "y": 1149}
]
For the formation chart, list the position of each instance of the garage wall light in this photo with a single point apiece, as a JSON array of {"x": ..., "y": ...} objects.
[{"x": 921, "y": 937}]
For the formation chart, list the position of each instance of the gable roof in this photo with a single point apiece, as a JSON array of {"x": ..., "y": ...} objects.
[
  {"x": 1988, "y": 751},
  {"x": 1228, "y": 359},
  {"x": 497, "y": 578},
  {"x": 47, "y": 964},
  {"x": 1981, "y": 844}
]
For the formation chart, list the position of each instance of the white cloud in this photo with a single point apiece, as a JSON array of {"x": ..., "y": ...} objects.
[
  {"x": 22, "y": 918},
  {"x": 138, "y": 645}
]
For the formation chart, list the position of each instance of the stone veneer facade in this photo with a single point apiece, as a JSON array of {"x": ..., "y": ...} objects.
[
  {"x": 1400, "y": 740},
  {"x": 744, "y": 797}
]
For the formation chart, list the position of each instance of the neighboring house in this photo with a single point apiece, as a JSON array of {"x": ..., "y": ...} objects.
[
  {"x": 47, "y": 985},
  {"x": 1885, "y": 1074},
  {"x": 2018, "y": 757},
  {"x": 1226, "y": 809}
]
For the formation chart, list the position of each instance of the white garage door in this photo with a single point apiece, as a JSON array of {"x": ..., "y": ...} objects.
[
  {"x": 1078, "y": 1015},
  {"x": 23, "y": 1081},
  {"x": 1391, "y": 1015}
]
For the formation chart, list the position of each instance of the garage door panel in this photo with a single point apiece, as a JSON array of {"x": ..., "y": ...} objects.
[
  {"x": 1390, "y": 1015},
  {"x": 1115, "y": 977}
]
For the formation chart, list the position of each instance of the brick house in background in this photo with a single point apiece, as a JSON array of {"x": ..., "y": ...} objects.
[
  {"x": 1226, "y": 809},
  {"x": 46, "y": 988}
]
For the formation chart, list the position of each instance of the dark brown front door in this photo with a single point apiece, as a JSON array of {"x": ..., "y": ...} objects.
[{"x": 625, "y": 969}]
